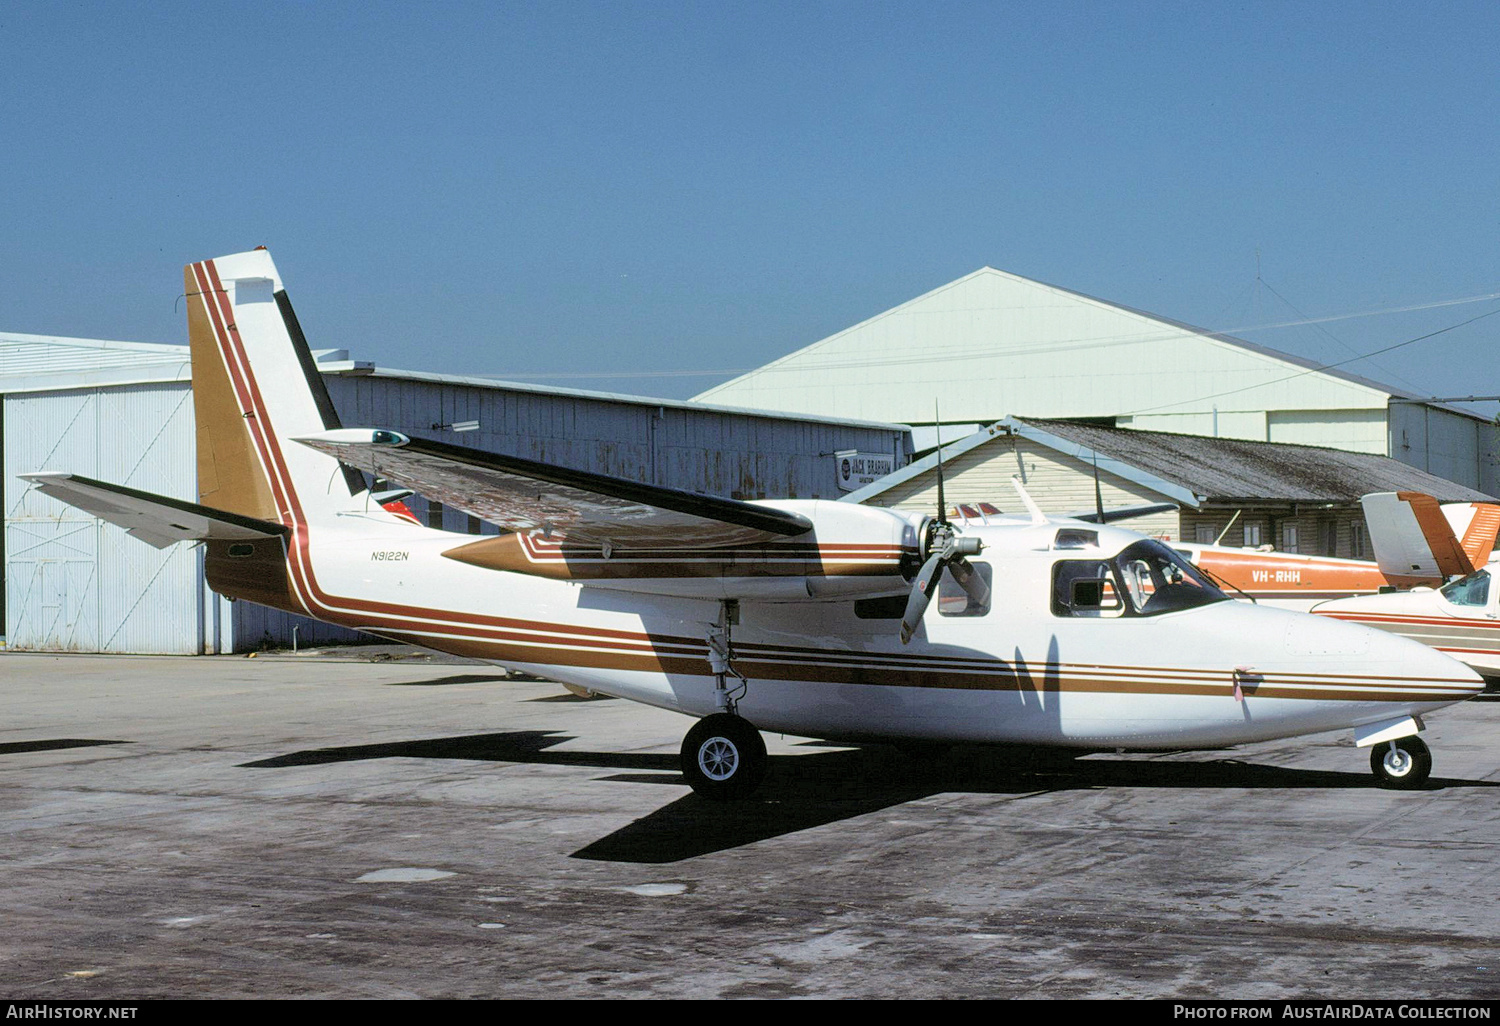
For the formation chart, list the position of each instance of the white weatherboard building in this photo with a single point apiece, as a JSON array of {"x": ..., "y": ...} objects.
[{"x": 992, "y": 345}]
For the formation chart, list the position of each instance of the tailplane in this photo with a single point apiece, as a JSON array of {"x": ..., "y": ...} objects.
[{"x": 255, "y": 386}]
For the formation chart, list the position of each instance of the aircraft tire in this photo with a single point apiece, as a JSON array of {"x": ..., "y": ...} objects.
[
  {"x": 724, "y": 757},
  {"x": 1407, "y": 767}
]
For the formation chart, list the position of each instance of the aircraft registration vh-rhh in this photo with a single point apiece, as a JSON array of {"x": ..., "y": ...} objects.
[{"x": 801, "y": 617}]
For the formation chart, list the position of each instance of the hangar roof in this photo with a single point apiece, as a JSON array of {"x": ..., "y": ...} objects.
[
  {"x": 1193, "y": 469},
  {"x": 992, "y": 341},
  {"x": 1232, "y": 469}
]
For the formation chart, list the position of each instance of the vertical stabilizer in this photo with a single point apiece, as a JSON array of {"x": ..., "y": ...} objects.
[
  {"x": 1412, "y": 538},
  {"x": 255, "y": 386}
]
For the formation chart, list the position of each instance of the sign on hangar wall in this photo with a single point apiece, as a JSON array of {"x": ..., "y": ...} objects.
[{"x": 854, "y": 470}]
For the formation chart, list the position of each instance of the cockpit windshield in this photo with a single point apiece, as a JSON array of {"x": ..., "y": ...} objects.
[
  {"x": 1145, "y": 579},
  {"x": 1473, "y": 590}
]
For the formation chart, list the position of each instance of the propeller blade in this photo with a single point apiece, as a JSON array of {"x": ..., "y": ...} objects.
[
  {"x": 921, "y": 595},
  {"x": 970, "y": 581}
]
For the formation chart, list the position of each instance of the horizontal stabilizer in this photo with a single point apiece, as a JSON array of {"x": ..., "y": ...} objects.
[
  {"x": 525, "y": 495},
  {"x": 154, "y": 519},
  {"x": 1412, "y": 538}
]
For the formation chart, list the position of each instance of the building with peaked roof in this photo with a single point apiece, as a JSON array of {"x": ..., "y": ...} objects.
[
  {"x": 993, "y": 344},
  {"x": 1297, "y": 498}
]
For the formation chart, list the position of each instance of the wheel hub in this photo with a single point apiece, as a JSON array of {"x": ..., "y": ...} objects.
[
  {"x": 1398, "y": 762},
  {"x": 718, "y": 758}
]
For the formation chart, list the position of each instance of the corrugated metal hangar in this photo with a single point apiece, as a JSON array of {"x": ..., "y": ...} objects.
[
  {"x": 992, "y": 345},
  {"x": 1296, "y": 498},
  {"x": 123, "y": 412}
]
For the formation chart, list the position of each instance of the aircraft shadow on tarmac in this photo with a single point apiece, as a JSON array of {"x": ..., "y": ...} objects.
[
  {"x": 52, "y": 744},
  {"x": 805, "y": 791}
]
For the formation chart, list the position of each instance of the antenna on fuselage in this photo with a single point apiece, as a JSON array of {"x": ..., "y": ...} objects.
[{"x": 942, "y": 503}]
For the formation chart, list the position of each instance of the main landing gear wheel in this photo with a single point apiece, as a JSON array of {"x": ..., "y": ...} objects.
[
  {"x": 1404, "y": 763},
  {"x": 724, "y": 757}
]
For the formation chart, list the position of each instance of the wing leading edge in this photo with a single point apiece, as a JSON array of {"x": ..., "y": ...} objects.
[{"x": 526, "y": 495}]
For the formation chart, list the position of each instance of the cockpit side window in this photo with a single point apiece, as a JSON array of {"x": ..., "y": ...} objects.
[
  {"x": 1085, "y": 587},
  {"x": 1473, "y": 590},
  {"x": 1146, "y": 579}
]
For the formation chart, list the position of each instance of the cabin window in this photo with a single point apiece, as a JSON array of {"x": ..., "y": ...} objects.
[
  {"x": 1146, "y": 579},
  {"x": 952, "y": 600},
  {"x": 1473, "y": 590},
  {"x": 1085, "y": 587},
  {"x": 891, "y": 607}
]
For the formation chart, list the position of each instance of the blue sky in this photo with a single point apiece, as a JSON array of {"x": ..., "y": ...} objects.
[{"x": 610, "y": 191}]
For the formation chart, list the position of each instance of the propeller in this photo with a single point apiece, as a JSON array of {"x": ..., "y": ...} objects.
[{"x": 945, "y": 550}]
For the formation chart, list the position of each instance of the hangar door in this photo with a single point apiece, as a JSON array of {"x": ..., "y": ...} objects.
[{"x": 75, "y": 584}]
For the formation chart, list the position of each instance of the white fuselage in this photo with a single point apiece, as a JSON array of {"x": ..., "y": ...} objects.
[{"x": 1210, "y": 676}]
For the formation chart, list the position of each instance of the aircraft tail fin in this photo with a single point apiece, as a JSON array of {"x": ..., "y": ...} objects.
[
  {"x": 255, "y": 385},
  {"x": 1414, "y": 540}
]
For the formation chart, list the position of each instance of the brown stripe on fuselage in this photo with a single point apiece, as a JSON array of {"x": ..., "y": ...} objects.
[{"x": 1002, "y": 679}]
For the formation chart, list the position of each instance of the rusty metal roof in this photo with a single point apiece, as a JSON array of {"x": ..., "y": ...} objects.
[{"x": 1236, "y": 470}]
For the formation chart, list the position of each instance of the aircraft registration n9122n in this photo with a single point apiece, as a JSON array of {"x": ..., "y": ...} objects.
[{"x": 801, "y": 617}]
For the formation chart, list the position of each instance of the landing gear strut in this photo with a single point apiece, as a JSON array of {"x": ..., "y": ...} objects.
[
  {"x": 724, "y": 756},
  {"x": 1404, "y": 763}
]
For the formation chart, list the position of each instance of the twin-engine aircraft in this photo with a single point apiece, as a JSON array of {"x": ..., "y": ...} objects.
[{"x": 811, "y": 618}]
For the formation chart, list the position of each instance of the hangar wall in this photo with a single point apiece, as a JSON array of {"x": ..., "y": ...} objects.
[{"x": 73, "y": 583}]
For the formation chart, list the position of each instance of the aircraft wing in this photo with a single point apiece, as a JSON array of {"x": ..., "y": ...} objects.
[
  {"x": 525, "y": 495},
  {"x": 154, "y": 519},
  {"x": 1412, "y": 537}
]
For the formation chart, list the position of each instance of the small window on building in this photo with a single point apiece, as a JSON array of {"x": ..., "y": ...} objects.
[
  {"x": 1357, "y": 541},
  {"x": 1289, "y": 536},
  {"x": 952, "y": 600},
  {"x": 1253, "y": 538},
  {"x": 1204, "y": 534},
  {"x": 1328, "y": 534}
]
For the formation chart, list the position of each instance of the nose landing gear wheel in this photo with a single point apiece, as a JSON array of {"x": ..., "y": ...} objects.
[
  {"x": 724, "y": 757},
  {"x": 1404, "y": 763}
]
